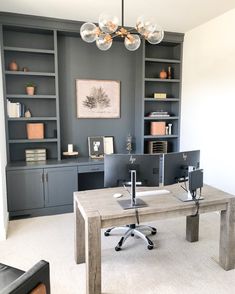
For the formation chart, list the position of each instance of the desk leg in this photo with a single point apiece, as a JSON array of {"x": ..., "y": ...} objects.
[
  {"x": 192, "y": 228},
  {"x": 79, "y": 238},
  {"x": 93, "y": 253},
  {"x": 227, "y": 237}
]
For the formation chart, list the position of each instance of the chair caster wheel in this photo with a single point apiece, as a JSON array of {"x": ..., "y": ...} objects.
[
  {"x": 117, "y": 248},
  {"x": 153, "y": 232},
  {"x": 150, "y": 247},
  {"x": 106, "y": 234},
  {"x": 132, "y": 235}
]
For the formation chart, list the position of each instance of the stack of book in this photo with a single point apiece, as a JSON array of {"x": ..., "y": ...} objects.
[
  {"x": 159, "y": 114},
  {"x": 35, "y": 154},
  {"x": 15, "y": 109}
]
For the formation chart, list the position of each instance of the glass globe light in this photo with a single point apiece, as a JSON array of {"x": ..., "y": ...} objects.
[
  {"x": 104, "y": 42},
  {"x": 132, "y": 42},
  {"x": 145, "y": 26},
  {"x": 108, "y": 24},
  {"x": 88, "y": 32},
  {"x": 155, "y": 37}
]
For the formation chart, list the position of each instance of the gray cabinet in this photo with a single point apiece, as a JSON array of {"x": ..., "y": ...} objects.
[
  {"x": 59, "y": 185},
  {"x": 25, "y": 189},
  {"x": 32, "y": 189}
]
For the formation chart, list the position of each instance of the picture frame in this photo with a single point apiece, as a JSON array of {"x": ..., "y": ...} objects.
[
  {"x": 108, "y": 145},
  {"x": 98, "y": 98},
  {"x": 96, "y": 147}
]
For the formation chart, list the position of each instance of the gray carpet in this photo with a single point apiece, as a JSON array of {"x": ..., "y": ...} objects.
[{"x": 174, "y": 266}]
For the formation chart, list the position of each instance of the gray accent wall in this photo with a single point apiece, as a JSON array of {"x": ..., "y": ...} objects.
[{"x": 79, "y": 60}]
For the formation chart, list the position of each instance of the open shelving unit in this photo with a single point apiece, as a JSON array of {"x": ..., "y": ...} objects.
[
  {"x": 156, "y": 58},
  {"x": 35, "y": 49}
]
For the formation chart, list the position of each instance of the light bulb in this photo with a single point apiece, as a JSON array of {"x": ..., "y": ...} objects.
[
  {"x": 108, "y": 24},
  {"x": 132, "y": 42},
  {"x": 145, "y": 26},
  {"x": 155, "y": 37},
  {"x": 104, "y": 42},
  {"x": 88, "y": 32}
]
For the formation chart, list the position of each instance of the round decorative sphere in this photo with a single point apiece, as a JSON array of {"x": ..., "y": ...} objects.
[
  {"x": 104, "y": 42},
  {"x": 155, "y": 37},
  {"x": 145, "y": 26},
  {"x": 88, "y": 32},
  {"x": 132, "y": 42},
  {"x": 108, "y": 24}
]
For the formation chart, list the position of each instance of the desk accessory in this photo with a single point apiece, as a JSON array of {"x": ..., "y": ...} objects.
[
  {"x": 96, "y": 147},
  {"x": 70, "y": 151},
  {"x": 117, "y": 195}
]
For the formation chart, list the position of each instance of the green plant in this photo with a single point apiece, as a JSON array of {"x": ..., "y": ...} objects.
[{"x": 30, "y": 84}]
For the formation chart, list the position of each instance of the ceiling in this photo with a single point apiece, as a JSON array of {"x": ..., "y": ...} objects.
[{"x": 172, "y": 15}]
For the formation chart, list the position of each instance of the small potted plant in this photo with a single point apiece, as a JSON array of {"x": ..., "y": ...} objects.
[{"x": 30, "y": 88}]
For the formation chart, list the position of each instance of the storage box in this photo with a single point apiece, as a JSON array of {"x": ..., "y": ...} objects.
[
  {"x": 35, "y": 131},
  {"x": 157, "y": 147},
  {"x": 160, "y": 95},
  {"x": 158, "y": 128}
]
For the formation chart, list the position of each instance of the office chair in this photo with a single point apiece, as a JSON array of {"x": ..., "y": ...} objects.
[
  {"x": 15, "y": 281},
  {"x": 133, "y": 230}
]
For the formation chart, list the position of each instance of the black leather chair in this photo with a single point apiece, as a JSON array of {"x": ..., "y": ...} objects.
[{"x": 35, "y": 280}]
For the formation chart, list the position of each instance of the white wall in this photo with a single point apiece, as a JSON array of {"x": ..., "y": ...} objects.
[
  {"x": 208, "y": 98},
  {"x": 3, "y": 161}
]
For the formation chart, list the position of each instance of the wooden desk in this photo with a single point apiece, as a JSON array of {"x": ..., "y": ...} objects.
[{"x": 96, "y": 209}]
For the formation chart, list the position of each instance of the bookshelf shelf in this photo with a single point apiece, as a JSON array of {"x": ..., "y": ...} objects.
[
  {"x": 30, "y": 73},
  {"x": 32, "y": 141},
  {"x": 161, "y": 118},
  {"x": 29, "y": 50},
  {"x": 32, "y": 118},
  {"x": 25, "y": 96},
  {"x": 162, "y": 60},
  {"x": 161, "y": 100},
  {"x": 162, "y": 80},
  {"x": 147, "y": 137}
]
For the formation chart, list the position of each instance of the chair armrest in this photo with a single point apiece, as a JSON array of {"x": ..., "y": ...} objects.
[{"x": 39, "y": 273}]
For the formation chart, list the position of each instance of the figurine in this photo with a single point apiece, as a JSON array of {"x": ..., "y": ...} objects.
[
  {"x": 129, "y": 143},
  {"x": 27, "y": 113}
]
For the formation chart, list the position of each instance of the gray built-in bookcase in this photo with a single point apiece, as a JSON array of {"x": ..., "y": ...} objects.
[
  {"x": 56, "y": 56},
  {"x": 35, "y": 49}
]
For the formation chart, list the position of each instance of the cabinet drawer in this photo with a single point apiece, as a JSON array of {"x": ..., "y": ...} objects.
[{"x": 91, "y": 168}]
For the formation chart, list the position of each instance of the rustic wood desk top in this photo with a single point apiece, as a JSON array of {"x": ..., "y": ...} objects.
[{"x": 102, "y": 202}]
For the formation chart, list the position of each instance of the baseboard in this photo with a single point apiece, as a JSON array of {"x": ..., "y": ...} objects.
[{"x": 3, "y": 234}]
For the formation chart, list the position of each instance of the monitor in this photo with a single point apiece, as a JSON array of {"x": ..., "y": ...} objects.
[
  {"x": 176, "y": 165},
  {"x": 117, "y": 169}
]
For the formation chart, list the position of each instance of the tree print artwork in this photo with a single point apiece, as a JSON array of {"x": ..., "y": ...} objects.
[{"x": 97, "y": 99}]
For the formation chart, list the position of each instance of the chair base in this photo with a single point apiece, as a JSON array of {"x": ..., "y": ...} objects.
[{"x": 133, "y": 230}]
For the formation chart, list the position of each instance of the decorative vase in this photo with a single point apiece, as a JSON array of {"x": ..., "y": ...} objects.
[
  {"x": 27, "y": 113},
  {"x": 163, "y": 74},
  {"x": 13, "y": 66},
  {"x": 30, "y": 90}
]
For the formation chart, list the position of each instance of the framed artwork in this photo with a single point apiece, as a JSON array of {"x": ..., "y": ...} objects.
[
  {"x": 96, "y": 147},
  {"x": 108, "y": 145},
  {"x": 98, "y": 98}
]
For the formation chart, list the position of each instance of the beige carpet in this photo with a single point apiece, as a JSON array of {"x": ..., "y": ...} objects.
[{"x": 174, "y": 266}]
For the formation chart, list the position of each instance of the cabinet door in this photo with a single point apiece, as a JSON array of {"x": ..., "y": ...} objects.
[
  {"x": 25, "y": 189},
  {"x": 60, "y": 183}
]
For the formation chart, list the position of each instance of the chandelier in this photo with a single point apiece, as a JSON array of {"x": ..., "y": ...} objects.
[{"x": 108, "y": 29}]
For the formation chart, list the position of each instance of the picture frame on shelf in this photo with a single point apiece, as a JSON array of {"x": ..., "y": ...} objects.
[
  {"x": 108, "y": 145},
  {"x": 98, "y": 98},
  {"x": 96, "y": 147}
]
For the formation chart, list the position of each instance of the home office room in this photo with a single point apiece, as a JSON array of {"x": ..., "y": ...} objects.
[{"x": 116, "y": 152}]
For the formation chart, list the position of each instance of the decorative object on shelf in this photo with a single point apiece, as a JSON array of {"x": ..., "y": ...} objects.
[
  {"x": 70, "y": 151},
  {"x": 15, "y": 109},
  {"x": 96, "y": 147},
  {"x": 108, "y": 145},
  {"x": 25, "y": 69},
  {"x": 170, "y": 129},
  {"x": 169, "y": 72},
  {"x": 157, "y": 147},
  {"x": 163, "y": 74},
  {"x": 35, "y": 154},
  {"x": 13, "y": 66},
  {"x": 30, "y": 88},
  {"x": 108, "y": 30},
  {"x": 98, "y": 98},
  {"x": 158, "y": 128},
  {"x": 129, "y": 143},
  {"x": 160, "y": 95},
  {"x": 27, "y": 113},
  {"x": 35, "y": 130},
  {"x": 167, "y": 130}
]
